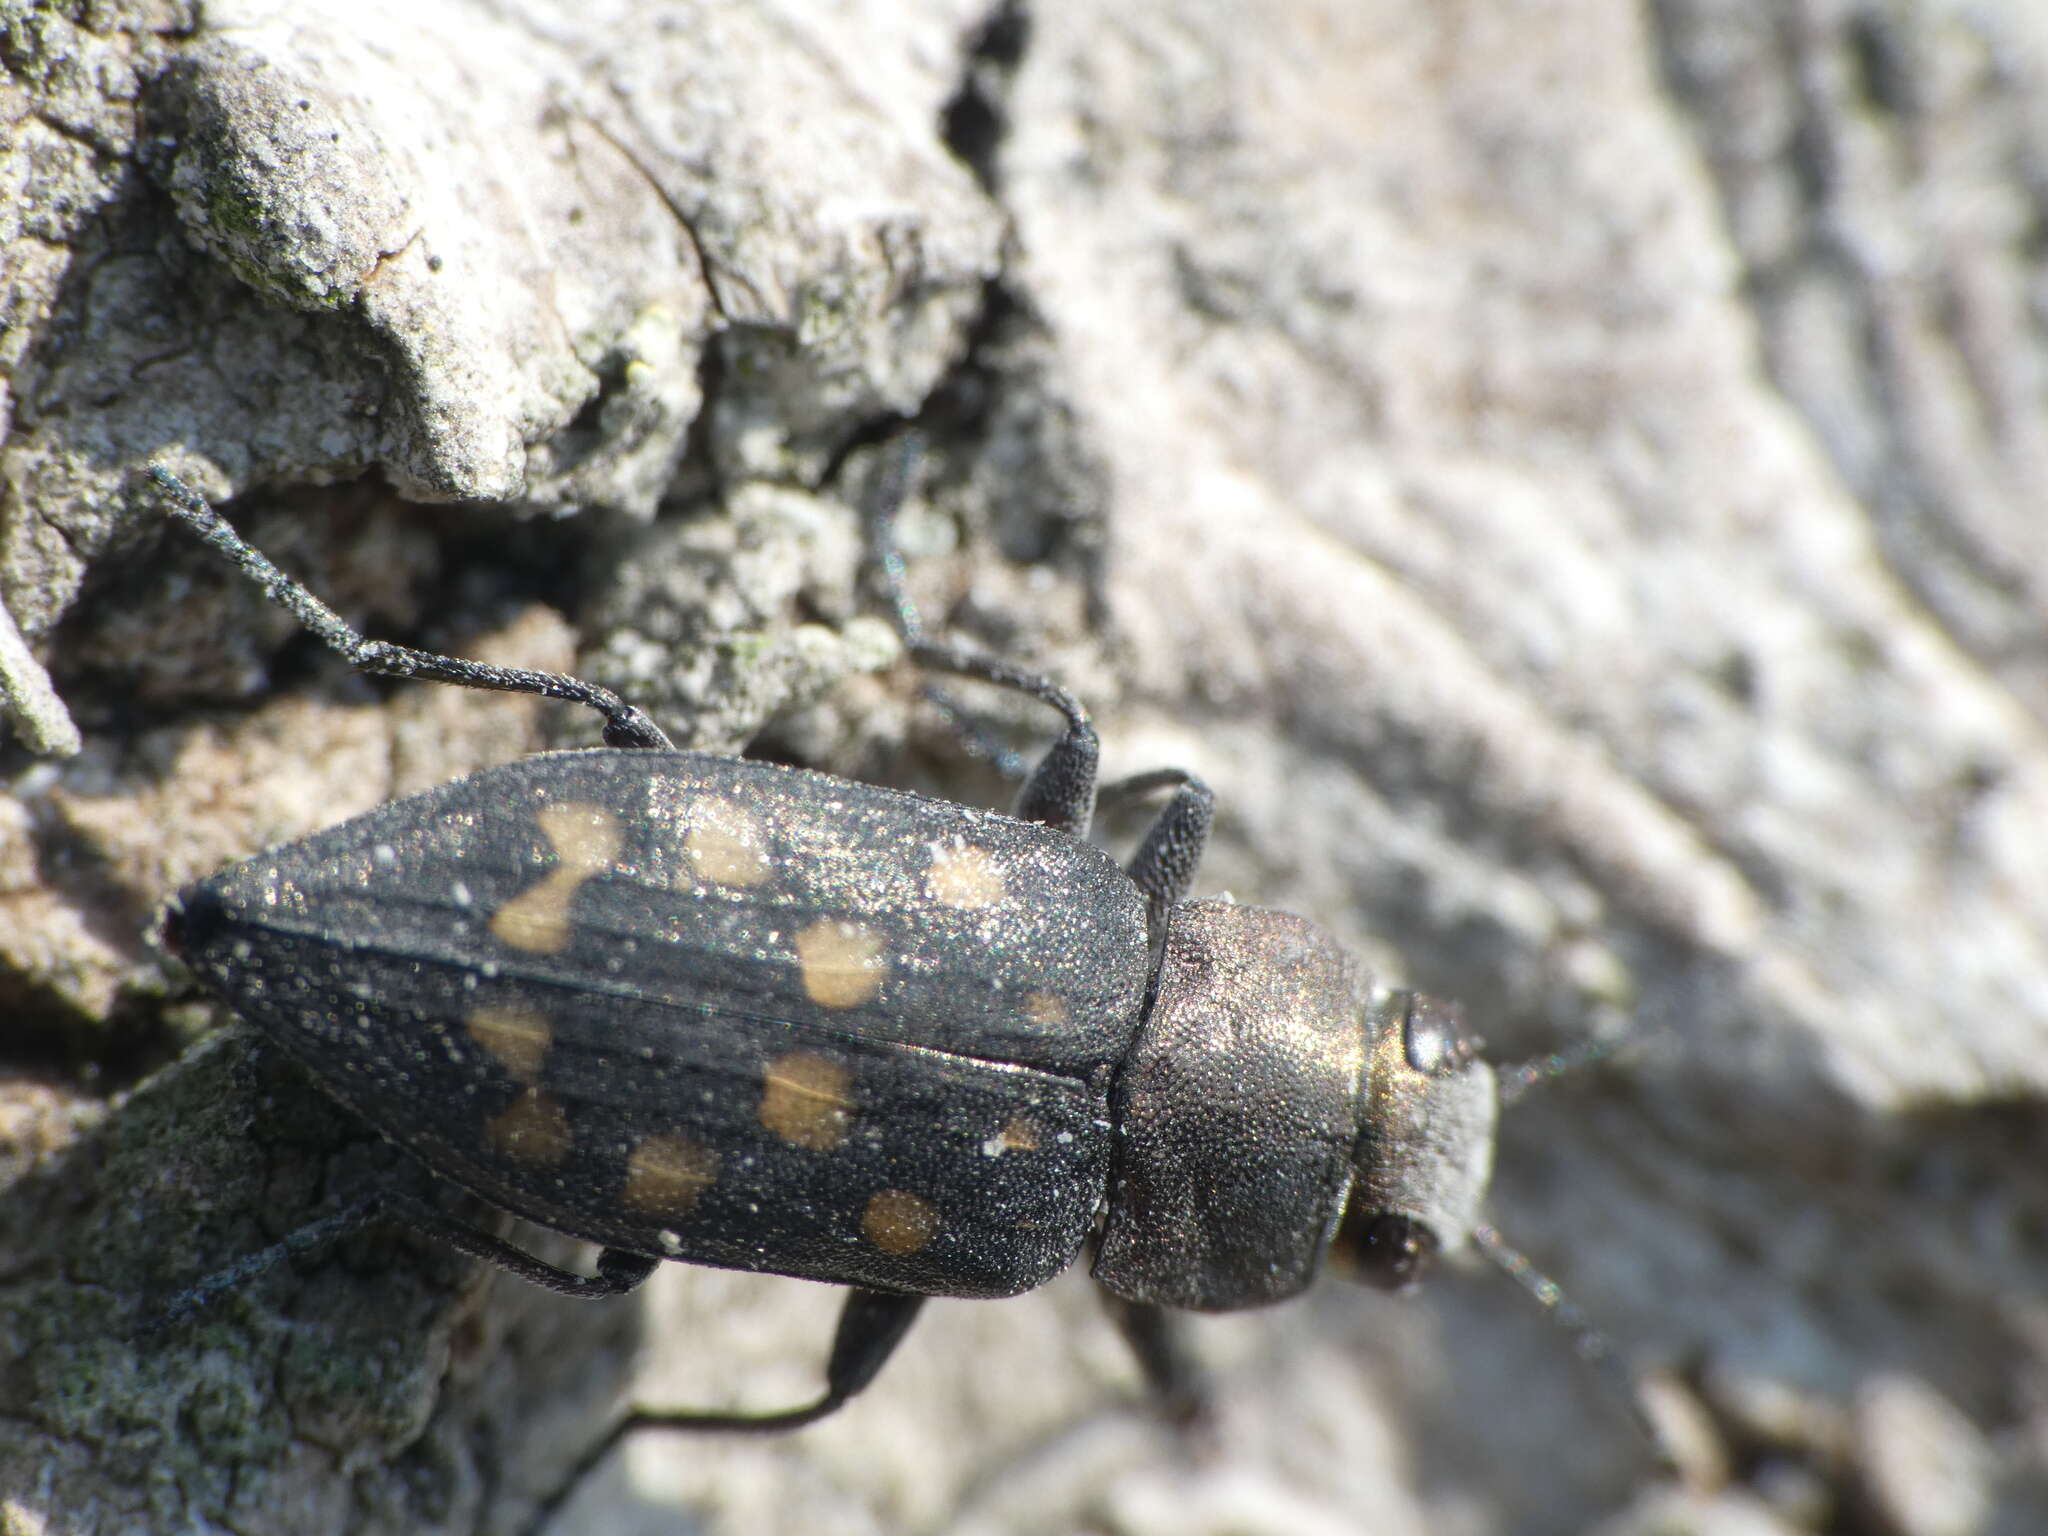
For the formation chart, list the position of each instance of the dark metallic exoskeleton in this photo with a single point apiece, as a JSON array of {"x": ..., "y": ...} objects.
[{"x": 692, "y": 1007}]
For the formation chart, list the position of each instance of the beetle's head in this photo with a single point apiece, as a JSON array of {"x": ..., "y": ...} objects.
[{"x": 1424, "y": 1151}]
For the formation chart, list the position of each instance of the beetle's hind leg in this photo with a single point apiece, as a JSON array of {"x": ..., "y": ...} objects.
[
  {"x": 618, "y": 1271},
  {"x": 625, "y": 725},
  {"x": 312, "y": 1236}
]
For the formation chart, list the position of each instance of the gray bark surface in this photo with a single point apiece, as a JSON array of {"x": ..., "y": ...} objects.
[{"x": 1567, "y": 475}]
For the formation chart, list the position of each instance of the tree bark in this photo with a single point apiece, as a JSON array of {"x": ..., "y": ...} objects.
[{"x": 1567, "y": 475}]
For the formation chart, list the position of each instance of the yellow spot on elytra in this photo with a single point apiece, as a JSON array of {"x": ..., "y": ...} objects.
[
  {"x": 964, "y": 876},
  {"x": 517, "y": 1038},
  {"x": 900, "y": 1223},
  {"x": 726, "y": 844},
  {"x": 1021, "y": 1134},
  {"x": 585, "y": 838},
  {"x": 842, "y": 963},
  {"x": 533, "y": 1131},
  {"x": 1044, "y": 1009},
  {"x": 804, "y": 1101},
  {"x": 666, "y": 1174}
]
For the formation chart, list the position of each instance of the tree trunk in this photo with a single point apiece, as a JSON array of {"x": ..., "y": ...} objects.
[{"x": 1567, "y": 475}]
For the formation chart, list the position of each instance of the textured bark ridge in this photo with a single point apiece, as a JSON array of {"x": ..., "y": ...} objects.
[{"x": 1569, "y": 478}]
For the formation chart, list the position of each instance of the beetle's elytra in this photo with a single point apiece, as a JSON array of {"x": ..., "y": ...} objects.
[
  {"x": 701, "y": 1008},
  {"x": 693, "y": 1007}
]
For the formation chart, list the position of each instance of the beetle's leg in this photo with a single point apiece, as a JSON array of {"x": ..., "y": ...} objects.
[
  {"x": 624, "y": 724},
  {"x": 871, "y": 1325},
  {"x": 886, "y": 561},
  {"x": 1171, "y": 1370},
  {"x": 1060, "y": 791},
  {"x": 1164, "y": 866},
  {"x": 314, "y": 1234},
  {"x": 617, "y": 1271}
]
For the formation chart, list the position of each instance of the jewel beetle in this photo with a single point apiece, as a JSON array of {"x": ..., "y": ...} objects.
[{"x": 693, "y": 1007}]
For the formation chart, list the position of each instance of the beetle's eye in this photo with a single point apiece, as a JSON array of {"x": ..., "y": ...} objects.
[
  {"x": 1383, "y": 1250},
  {"x": 1435, "y": 1037}
]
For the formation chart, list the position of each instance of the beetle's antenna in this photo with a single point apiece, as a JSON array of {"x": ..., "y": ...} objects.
[
  {"x": 1588, "y": 1342},
  {"x": 1512, "y": 1082}
]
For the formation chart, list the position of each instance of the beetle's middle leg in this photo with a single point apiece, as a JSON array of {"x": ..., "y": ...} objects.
[
  {"x": 1159, "y": 1341},
  {"x": 871, "y": 1325},
  {"x": 1060, "y": 791},
  {"x": 1164, "y": 866}
]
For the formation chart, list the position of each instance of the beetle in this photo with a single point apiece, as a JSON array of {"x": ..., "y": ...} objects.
[{"x": 687, "y": 1006}]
